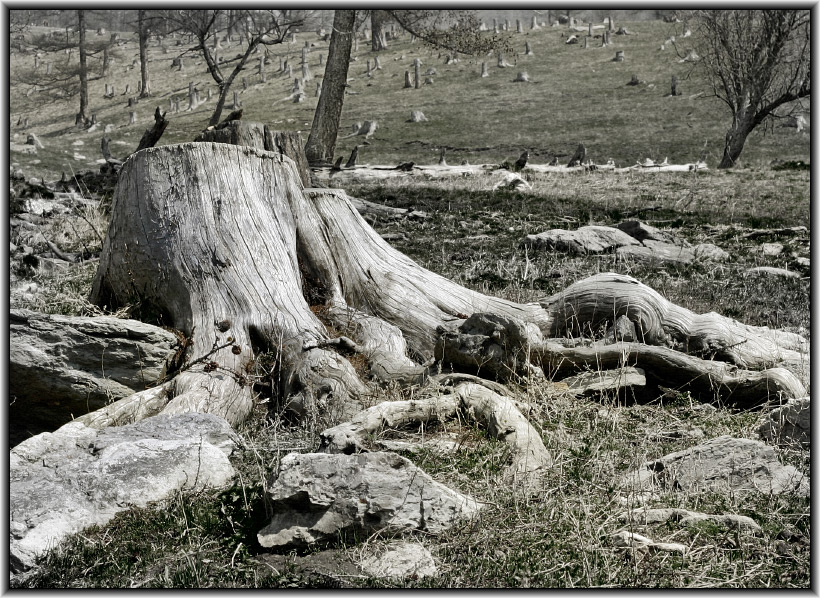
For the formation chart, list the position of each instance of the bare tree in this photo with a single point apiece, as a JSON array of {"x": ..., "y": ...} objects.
[
  {"x": 259, "y": 28},
  {"x": 378, "y": 33},
  {"x": 321, "y": 142},
  {"x": 82, "y": 115},
  {"x": 143, "y": 33},
  {"x": 456, "y": 30},
  {"x": 756, "y": 61}
]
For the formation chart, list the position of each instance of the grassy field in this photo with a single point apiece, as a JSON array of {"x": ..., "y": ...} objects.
[
  {"x": 574, "y": 95},
  {"x": 556, "y": 537}
]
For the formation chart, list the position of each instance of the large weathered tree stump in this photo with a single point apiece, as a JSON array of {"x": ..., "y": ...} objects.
[{"x": 224, "y": 244}]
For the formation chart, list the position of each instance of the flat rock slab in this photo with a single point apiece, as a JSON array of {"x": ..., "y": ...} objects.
[
  {"x": 725, "y": 463},
  {"x": 400, "y": 560},
  {"x": 63, "y": 367},
  {"x": 790, "y": 424},
  {"x": 644, "y": 232},
  {"x": 627, "y": 381},
  {"x": 316, "y": 497},
  {"x": 769, "y": 271},
  {"x": 63, "y": 482},
  {"x": 585, "y": 240},
  {"x": 644, "y": 516},
  {"x": 668, "y": 253}
]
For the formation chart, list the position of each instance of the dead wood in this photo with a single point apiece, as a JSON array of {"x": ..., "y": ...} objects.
[
  {"x": 152, "y": 135},
  {"x": 496, "y": 412},
  {"x": 224, "y": 244},
  {"x": 579, "y": 156}
]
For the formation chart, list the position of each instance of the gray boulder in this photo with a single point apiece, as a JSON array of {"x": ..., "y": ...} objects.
[
  {"x": 75, "y": 477},
  {"x": 317, "y": 496},
  {"x": 789, "y": 424},
  {"x": 63, "y": 367},
  {"x": 587, "y": 239},
  {"x": 642, "y": 232},
  {"x": 725, "y": 463}
]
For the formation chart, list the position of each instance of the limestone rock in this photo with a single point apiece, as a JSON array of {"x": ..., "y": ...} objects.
[
  {"x": 711, "y": 252},
  {"x": 417, "y": 116},
  {"x": 317, "y": 496},
  {"x": 789, "y": 424},
  {"x": 63, "y": 366},
  {"x": 769, "y": 271},
  {"x": 626, "y": 539},
  {"x": 660, "y": 251},
  {"x": 625, "y": 382},
  {"x": 771, "y": 249},
  {"x": 641, "y": 232},
  {"x": 725, "y": 463},
  {"x": 643, "y": 516},
  {"x": 587, "y": 239},
  {"x": 65, "y": 481},
  {"x": 400, "y": 560},
  {"x": 622, "y": 331},
  {"x": 731, "y": 521}
]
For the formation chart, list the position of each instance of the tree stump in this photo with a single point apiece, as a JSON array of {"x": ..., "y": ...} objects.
[
  {"x": 579, "y": 156},
  {"x": 484, "y": 72},
  {"x": 407, "y": 83},
  {"x": 132, "y": 118},
  {"x": 527, "y": 49},
  {"x": 354, "y": 155},
  {"x": 619, "y": 56},
  {"x": 224, "y": 244},
  {"x": 521, "y": 77},
  {"x": 416, "y": 65},
  {"x": 518, "y": 27},
  {"x": 675, "y": 91},
  {"x": 260, "y": 136},
  {"x": 535, "y": 24},
  {"x": 634, "y": 80}
]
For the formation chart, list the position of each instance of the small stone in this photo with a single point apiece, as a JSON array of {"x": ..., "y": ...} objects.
[
  {"x": 623, "y": 331},
  {"x": 401, "y": 560},
  {"x": 771, "y": 249},
  {"x": 769, "y": 271},
  {"x": 709, "y": 251}
]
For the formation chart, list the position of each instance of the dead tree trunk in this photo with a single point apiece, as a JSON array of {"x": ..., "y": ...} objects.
[
  {"x": 152, "y": 135},
  {"x": 224, "y": 244}
]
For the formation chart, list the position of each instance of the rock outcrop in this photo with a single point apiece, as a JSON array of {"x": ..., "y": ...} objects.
[
  {"x": 724, "y": 463},
  {"x": 63, "y": 482},
  {"x": 317, "y": 497},
  {"x": 790, "y": 424},
  {"x": 62, "y": 367}
]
